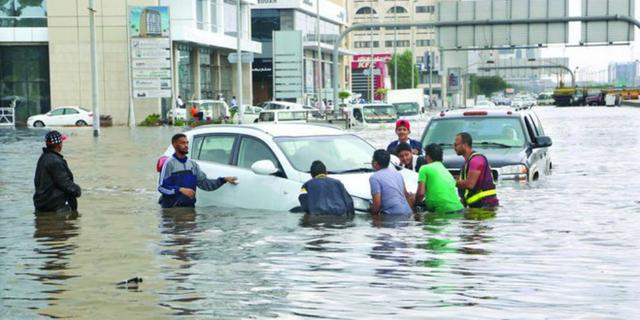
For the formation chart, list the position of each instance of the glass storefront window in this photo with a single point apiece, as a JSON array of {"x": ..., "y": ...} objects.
[
  {"x": 263, "y": 23},
  {"x": 206, "y": 88},
  {"x": 185, "y": 82},
  {"x": 24, "y": 80},
  {"x": 23, "y": 13}
]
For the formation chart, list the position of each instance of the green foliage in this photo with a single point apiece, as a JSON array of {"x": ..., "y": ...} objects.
[
  {"x": 487, "y": 85},
  {"x": 405, "y": 63},
  {"x": 151, "y": 120},
  {"x": 179, "y": 123},
  {"x": 382, "y": 92},
  {"x": 344, "y": 95}
]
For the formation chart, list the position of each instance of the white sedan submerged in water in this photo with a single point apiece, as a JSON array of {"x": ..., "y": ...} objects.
[{"x": 272, "y": 162}]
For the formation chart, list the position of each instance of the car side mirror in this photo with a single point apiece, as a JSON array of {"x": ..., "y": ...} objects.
[
  {"x": 264, "y": 167},
  {"x": 542, "y": 142}
]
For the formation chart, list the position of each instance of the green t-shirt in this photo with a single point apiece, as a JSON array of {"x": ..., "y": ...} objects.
[{"x": 441, "y": 194}]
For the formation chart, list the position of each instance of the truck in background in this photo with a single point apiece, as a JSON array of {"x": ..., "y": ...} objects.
[{"x": 410, "y": 103}]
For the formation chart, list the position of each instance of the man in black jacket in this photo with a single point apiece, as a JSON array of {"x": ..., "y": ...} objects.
[
  {"x": 55, "y": 189},
  {"x": 323, "y": 195}
]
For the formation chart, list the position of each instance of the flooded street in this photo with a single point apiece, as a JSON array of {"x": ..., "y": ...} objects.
[{"x": 563, "y": 247}]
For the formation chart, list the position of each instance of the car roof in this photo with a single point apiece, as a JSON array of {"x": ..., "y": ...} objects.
[
  {"x": 284, "y": 103},
  {"x": 493, "y": 112},
  {"x": 374, "y": 104},
  {"x": 275, "y": 130}
]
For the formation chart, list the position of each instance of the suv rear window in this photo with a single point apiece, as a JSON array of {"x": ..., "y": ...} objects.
[{"x": 500, "y": 131}]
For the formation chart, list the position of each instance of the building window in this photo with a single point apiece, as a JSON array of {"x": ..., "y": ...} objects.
[
  {"x": 425, "y": 9},
  {"x": 399, "y": 43},
  {"x": 423, "y": 43},
  {"x": 366, "y": 10},
  {"x": 23, "y": 13},
  {"x": 365, "y": 44},
  {"x": 397, "y": 9},
  {"x": 419, "y": 59},
  {"x": 213, "y": 15},
  {"x": 263, "y": 23},
  {"x": 200, "y": 8},
  {"x": 399, "y": 28},
  {"x": 230, "y": 18}
]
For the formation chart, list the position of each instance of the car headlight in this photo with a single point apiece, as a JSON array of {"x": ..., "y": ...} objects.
[
  {"x": 361, "y": 204},
  {"x": 518, "y": 169}
]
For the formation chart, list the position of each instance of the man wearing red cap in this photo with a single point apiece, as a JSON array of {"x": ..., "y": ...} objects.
[
  {"x": 55, "y": 189},
  {"x": 403, "y": 129}
]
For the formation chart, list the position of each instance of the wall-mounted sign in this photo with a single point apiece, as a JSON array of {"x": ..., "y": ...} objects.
[{"x": 150, "y": 49}]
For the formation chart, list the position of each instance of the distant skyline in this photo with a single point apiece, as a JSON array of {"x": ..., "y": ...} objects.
[{"x": 593, "y": 58}]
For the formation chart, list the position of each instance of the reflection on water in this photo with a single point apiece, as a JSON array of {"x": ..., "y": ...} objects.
[
  {"x": 563, "y": 247},
  {"x": 52, "y": 234}
]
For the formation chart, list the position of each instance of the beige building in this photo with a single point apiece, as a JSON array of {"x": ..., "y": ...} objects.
[
  {"x": 416, "y": 39},
  {"x": 203, "y": 34}
]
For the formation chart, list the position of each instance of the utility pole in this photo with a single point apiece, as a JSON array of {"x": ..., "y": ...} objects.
[
  {"x": 371, "y": 78},
  {"x": 395, "y": 44},
  {"x": 94, "y": 70},
  {"x": 239, "y": 62},
  {"x": 413, "y": 49},
  {"x": 430, "y": 56},
  {"x": 320, "y": 77}
]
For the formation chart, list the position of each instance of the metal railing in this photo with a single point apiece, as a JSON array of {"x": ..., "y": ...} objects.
[{"x": 7, "y": 117}]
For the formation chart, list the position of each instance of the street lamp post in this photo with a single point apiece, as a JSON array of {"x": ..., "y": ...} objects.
[
  {"x": 395, "y": 45},
  {"x": 239, "y": 61},
  {"x": 94, "y": 70},
  {"x": 320, "y": 78}
]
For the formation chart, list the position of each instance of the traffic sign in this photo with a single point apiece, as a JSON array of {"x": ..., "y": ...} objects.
[{"x": 247, "y": 57}]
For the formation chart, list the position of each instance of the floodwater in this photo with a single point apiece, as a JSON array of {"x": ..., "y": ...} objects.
[{"x": 564, "y": 247}]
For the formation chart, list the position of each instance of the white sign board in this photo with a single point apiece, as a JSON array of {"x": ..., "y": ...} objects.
[
  {"x": 605, "y": 32},
  {"x": 288, "y": 77},
  {"x": 501, "y": 35},
  {"x": 247, "y": 57},
  {"x": 150, "y": 49}
]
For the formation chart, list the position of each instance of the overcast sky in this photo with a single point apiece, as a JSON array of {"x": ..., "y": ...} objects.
[{"x": 593, "y": 58}]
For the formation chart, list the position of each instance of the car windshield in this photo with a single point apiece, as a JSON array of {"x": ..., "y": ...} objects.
[
  {"x": 340, "y": 154},
  {"x": 380, "y": 114},
  {"x": 492, "y": 132},
  {"x": 407, "y": 109}
]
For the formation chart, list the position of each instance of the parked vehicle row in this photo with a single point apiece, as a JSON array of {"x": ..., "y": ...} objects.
[{"x": 272, "y": 161}]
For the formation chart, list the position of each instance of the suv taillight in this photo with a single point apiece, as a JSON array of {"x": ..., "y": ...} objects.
[{"x": 475, "y": 113}]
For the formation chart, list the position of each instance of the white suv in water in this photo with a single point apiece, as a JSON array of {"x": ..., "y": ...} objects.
[{"x": 272, "y": 162}]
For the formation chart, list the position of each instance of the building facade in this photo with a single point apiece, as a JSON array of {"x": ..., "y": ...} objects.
[
  {"x": 268, "y": 16},
  {"x": 45, "y": 46},
  {"x": 419, "y": 40},
  {"x": 625, "y": 74}
]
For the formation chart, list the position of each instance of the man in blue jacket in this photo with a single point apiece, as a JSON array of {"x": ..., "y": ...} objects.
[
  {"x": 323, "y": 195},
  {"x": 180, "y": 176}
]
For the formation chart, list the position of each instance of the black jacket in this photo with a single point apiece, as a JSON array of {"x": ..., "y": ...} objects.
[
  {"x": 322, "y": 195},
  {"x": 54, "y": 183}
]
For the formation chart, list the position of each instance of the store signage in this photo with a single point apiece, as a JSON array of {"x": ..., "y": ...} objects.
[{"x": 150, "y": 50}]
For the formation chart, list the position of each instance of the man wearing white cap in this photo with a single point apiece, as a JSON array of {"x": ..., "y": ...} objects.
[{"x": 55, "y": 189}]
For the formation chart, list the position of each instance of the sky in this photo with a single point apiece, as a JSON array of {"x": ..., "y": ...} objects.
[{"x": 593, "y": 58}]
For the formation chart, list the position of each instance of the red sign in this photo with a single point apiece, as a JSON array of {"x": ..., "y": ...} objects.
[{"x": 362, "y": 61}]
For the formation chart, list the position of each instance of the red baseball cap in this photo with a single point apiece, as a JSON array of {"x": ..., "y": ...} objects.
[{"x": 403, "y": 123}]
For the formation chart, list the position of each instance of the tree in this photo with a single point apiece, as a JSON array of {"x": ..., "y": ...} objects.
[
  {"x": 343, "y": 95},
  {"x": 487, "y": 85},
  {"x": 382, "y": 92},
  {"x": 405, "y": 63}
]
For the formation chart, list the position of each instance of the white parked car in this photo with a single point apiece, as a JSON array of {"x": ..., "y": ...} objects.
[
  {"x": 62, "y": 116},
  {"x": 280, "y": 105},
  {"x": 272, "y": 162},
  {"x": 250, "y": 114}
]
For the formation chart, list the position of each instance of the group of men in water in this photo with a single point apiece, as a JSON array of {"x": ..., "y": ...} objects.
[{"x": 437, "y": 191}]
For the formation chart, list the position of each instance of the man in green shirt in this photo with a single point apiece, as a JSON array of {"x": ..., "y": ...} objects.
[{"x": 436, "y": 184}]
